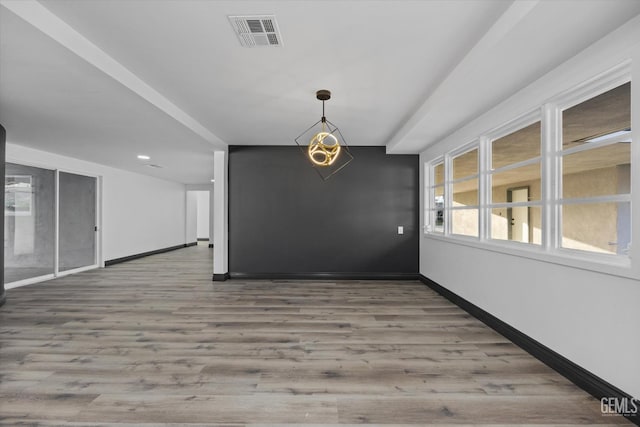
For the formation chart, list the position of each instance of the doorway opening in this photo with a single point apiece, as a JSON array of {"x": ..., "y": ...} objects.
[
  {"x": 519, "y": 216},
  {"x": 202, "y": 217},
  {"x": 198, "y": 227}
]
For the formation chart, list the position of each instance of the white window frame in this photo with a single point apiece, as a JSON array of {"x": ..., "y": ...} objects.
[{"x": 550, "y": 116}]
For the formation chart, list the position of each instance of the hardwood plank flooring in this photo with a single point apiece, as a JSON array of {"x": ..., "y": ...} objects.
[{"x": 153, "y": 342}]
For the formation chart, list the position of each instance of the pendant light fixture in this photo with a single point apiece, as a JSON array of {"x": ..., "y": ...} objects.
[{"x": 326, "y": 148}]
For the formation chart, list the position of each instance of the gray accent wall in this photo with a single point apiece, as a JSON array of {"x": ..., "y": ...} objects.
[{"x": 284, "y": 219}]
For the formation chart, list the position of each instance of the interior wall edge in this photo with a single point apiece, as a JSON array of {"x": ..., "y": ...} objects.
[{"x": 3, "y": 146}]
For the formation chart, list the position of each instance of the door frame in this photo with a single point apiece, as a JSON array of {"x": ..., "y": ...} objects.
[{"x": 98, "y": 256}]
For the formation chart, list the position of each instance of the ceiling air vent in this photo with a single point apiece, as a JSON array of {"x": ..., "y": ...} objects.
[{"x": 256, "y": 30}]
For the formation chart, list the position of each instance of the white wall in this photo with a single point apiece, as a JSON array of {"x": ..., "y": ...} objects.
[
  {"x": 211, "y": 214},
  {"x": 589, "y": 317},
  {"x": 139, "y": 213},
  {"x": 203, "y": 214},
  {"x": 220, "y": 213},
  {"x": 191, "y": 231}
]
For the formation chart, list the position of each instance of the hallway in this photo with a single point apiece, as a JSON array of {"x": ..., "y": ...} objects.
[{"x": 155, "y": 342}]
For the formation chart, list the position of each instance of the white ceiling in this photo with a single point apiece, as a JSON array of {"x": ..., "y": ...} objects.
[{"x": 105, "y": 80}]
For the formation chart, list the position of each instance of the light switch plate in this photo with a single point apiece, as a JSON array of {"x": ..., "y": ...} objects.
[{"x": 400, "y": 229}]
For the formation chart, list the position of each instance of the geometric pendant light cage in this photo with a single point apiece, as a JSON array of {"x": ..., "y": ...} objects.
[{"x": 323, "y": 144}]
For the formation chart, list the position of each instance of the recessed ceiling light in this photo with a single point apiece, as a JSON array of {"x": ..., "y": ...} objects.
[{"x": 143, "y": 157}]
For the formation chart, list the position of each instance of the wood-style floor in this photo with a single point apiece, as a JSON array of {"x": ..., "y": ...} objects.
[{"x": 155, "y": 342}]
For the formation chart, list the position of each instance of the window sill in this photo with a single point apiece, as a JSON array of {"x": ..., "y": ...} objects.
[{"x": 601, "y": 263}]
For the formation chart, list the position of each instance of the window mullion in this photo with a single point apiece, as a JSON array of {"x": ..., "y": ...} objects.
[
  {"x": 484, "y": 188},
  {"x": 516, "y": 165},
  {"x": 614, "y": 198},
  {"x": 593, "y": 145},
  {"x": 448, "y": 196},
  {"x": 430, "y": 226},
  {"x": 465, "y": 179},
  {"x": 551, "y": 140},
  {"x": 534, "y": 204}
]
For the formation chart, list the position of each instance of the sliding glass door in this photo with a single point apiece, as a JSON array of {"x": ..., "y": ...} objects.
[
  {"x": 77, "y": 221},
  {"x": 50, "y": 223}
]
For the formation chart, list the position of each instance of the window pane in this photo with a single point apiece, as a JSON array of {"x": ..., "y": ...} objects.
[
  {"x": 438, "y": 194},
  {"x": 439, "y": 207},
  {"x": 465, "y": 193},
  {"x": 600, "y": 116},
  {"x": 503, "y": 184},
  {"x": 597, "y": 227},
  {"x": 464, "y": 222},
  {"x": 29, "y": 222},
  {"x": 438, "y": 174},
  {"x": 77, "y": 213},
  {"x": 521, "y": 145},
  {"x": 518, "y": 224},
  {"x": 465, "y": 164},
  {"x": 437, "y": 218},
  {"x": 597, "y": 172}
]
